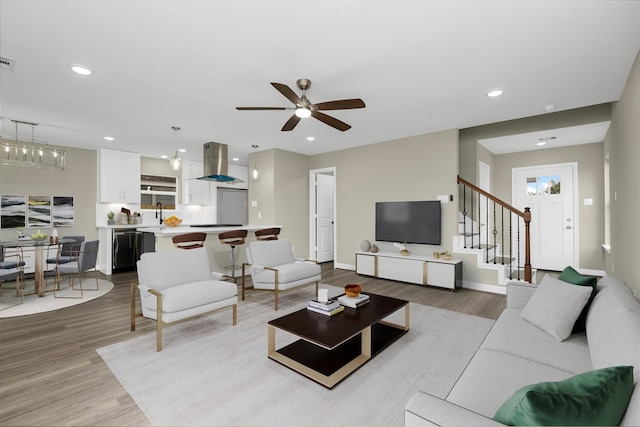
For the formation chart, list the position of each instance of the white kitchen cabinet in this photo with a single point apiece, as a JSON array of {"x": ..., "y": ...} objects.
[
  {"x": 118, "y": 176},
  {"x": 422, "y": 270},
  {"x": 194, "y": 191}
]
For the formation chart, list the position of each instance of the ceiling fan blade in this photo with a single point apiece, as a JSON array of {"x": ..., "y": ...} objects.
[
  {"x": 291, "y": 123},
  {"x": 331, "y": 121},
  {"x": 287, "y": 92},
  {"x": 261, "y": 108},
  {"x": 343, "y": 104}
]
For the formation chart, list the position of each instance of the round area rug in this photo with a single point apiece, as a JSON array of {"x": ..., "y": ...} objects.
[{"x": 34, "y": 304}]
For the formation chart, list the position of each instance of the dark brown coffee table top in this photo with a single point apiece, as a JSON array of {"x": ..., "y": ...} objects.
[{"x": 330, "y": 331}]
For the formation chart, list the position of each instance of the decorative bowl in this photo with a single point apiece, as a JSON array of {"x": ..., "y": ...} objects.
[
  {"x": 172, "y": 221},
  {"x": 39, "y": 237},
  {"x": 352, "y": 290}
]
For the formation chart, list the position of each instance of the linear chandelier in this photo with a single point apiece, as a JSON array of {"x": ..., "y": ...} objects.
[{"x": 32, "y": 153}]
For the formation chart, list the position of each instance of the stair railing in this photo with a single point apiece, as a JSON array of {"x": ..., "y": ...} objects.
[{"x": 525, "y": 217}]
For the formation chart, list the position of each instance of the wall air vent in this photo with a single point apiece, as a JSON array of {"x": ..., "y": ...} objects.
[{"x": 6, "y": 63}]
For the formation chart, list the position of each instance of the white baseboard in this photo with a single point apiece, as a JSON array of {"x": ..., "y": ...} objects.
[
  {"x": 484, "y": 287},
  {"x": 344, "y": 266}
]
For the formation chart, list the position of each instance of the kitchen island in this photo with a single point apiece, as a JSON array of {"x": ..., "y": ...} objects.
[{"x": 159, "y": 239}]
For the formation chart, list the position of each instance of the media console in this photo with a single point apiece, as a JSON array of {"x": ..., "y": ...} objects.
[{"x": 418, "y": 269}]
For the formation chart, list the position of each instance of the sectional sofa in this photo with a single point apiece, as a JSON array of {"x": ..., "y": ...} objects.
[{"x": 531, "y": 370}]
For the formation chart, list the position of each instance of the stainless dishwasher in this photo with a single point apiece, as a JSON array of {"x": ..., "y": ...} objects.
[{"x": 127, "y": 245}]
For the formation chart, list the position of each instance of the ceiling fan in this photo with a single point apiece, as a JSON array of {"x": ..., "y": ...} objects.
[{"x": 304, "y": 108}]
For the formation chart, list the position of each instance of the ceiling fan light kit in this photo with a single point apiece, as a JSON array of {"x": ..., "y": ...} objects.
[{"x": 303, "y": 108}]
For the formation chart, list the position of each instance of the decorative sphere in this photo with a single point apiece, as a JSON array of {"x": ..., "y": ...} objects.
[{"x": 365, "y": 245}]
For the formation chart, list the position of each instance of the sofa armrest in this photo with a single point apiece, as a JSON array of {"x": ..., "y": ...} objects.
[
  {"x": 519, "y": 293},
  {"x": 424, "y": 409}
]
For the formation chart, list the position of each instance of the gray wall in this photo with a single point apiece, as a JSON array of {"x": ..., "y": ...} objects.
[
  {"x": 78, "y": 179},
  {"x": 417, "y": 168},
  {"x": 623, "y": 146}
]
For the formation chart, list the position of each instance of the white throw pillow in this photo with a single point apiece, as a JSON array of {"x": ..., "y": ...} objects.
[{"x": 555, "y": 306}]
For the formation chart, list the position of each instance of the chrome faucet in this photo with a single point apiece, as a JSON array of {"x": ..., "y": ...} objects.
[{"x": 159, "y": 205}]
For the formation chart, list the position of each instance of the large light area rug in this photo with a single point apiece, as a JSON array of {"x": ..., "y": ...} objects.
[
  {"x": 215, "y": 374},
  {"x": 34, "y": 304}
]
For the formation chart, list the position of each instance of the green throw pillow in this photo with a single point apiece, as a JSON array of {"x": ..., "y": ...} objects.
[
  {"x": 595, "y": 398},
  {"x": 570, "y": 275}
]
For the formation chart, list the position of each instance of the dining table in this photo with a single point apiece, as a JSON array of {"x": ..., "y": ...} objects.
[{"x": 40, "y": 258}]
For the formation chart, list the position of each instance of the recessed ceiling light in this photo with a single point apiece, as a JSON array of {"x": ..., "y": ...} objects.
[
  {"x": 540, "y": 143},
  {"x": 311, "y": 138},
  {"x": 109, "y": 138},
  {"x": 164, "y": 156},
  {"x": 182, "y": 150},
  {"x": 549, "y": 108},
  {"x": 495, "y": 92},
  {"x": 235, "y": 159},
  {"x": 82, "y": 70}
]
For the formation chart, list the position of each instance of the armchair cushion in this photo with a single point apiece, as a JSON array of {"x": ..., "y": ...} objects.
[
  {"x": 187, "y": 266},
  {"x": 189, "y": 295},
  {"x": 272, "y": 253},
  {"x": 289, "y": 273}
]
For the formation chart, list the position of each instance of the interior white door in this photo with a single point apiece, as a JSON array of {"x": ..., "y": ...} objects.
[
  {"x": 324, "y": 217},
  {"x": 550, "y": 192}
]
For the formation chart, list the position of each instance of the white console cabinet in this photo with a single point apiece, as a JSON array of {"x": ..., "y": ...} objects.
[{"x": 422, "y": 270}]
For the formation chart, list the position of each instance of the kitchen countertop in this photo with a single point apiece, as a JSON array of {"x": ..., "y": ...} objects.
[
  {"x": 170, "y": 231},
  {"x": 116, "y": 226}
]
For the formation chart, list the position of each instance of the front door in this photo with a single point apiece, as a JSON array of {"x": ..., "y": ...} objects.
[{"x": 550, "y": 192}]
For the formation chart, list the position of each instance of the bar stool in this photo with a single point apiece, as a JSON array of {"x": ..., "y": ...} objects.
[
  {"x": 233, "y": 238},
  {"x": 189, "y": 240},
  {"x": 268, "y": 234}
]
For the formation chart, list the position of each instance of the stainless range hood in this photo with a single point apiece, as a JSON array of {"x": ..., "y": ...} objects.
[{"x": 216, "y": 165}]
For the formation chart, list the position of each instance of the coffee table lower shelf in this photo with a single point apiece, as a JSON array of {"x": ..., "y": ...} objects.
[{"x": 329, "y": 367}]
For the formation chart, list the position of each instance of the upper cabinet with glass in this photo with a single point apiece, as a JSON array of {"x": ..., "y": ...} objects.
[{"x": 156, "y": 189}]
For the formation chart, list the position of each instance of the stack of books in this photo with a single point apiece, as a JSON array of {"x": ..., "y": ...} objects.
[
  {"x": 328, "y": 308},
  {"x": 355, "y": 302}
]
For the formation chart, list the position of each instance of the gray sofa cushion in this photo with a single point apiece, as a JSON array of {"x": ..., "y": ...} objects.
[
  {"x": 492, "y": 377},
  {"x": 513, "y": 335},
  {"x": 555, "y": 306}
]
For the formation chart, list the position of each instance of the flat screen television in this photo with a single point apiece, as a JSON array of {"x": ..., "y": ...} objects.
[{"x": 408, "y": 222}]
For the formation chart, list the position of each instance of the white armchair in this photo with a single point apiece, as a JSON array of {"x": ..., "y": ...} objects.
[
  {"x": 273, "y": 267},
  {"x": 177, "y": 285}
]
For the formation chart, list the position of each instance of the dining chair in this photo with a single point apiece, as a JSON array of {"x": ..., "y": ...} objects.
[
  {"x": 12, "y": 268},
  {"x": 64, "y": 254},
  {"x": 84, "y": 260}
]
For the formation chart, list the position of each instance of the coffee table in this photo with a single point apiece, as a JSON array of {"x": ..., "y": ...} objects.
[{"x": 330, "y": 348}]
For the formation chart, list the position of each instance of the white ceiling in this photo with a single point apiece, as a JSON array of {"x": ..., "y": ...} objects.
[
  {"x": 420, "y": 66},
  {"x": 551, "y": 138}
]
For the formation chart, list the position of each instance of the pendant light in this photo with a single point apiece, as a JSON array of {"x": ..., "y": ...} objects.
[
  {"x": 175, "y": 161},
  {"x": 21, "y": 152}
]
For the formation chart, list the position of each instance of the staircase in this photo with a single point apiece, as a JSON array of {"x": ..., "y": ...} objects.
[{"x": 495, "y": 232}]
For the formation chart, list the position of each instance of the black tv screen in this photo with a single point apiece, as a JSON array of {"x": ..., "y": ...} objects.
[{"x": 408, "y": 222}]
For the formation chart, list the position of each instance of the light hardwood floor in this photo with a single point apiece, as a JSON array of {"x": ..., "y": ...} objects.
[{"x": 51, "y": 374}]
